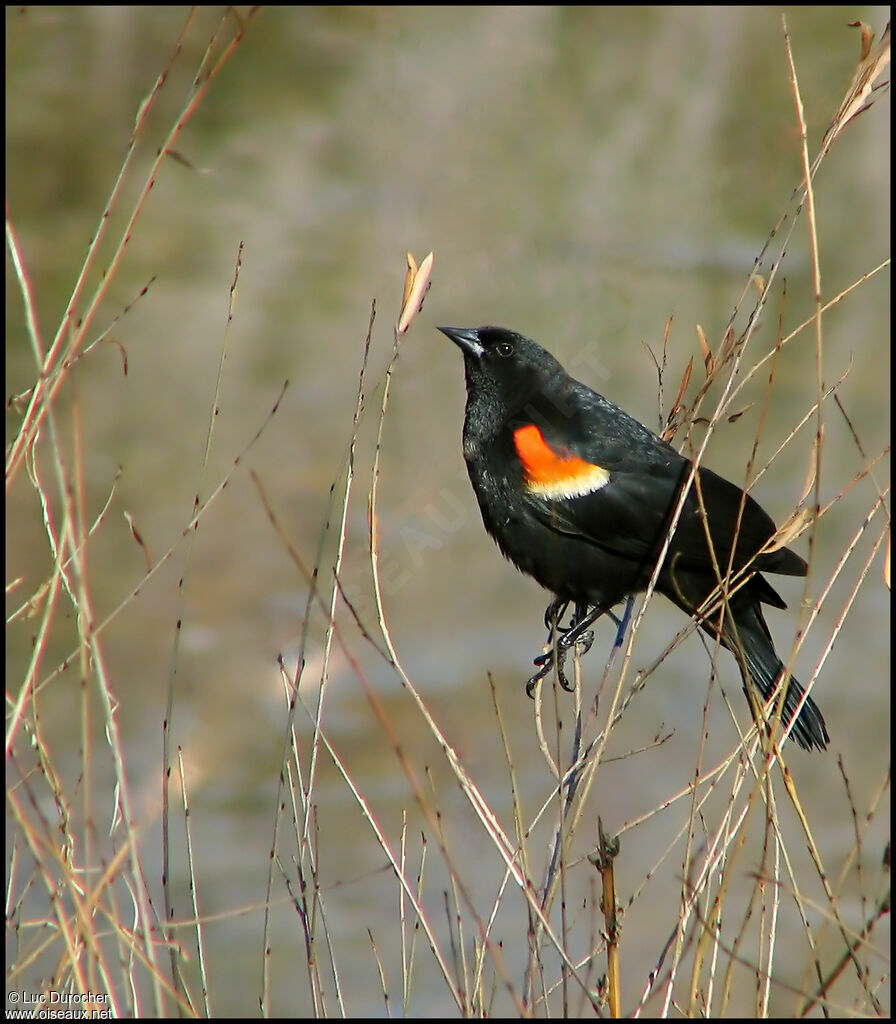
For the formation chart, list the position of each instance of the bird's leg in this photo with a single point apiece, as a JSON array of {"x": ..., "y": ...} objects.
[
  {"x": 554, "y": 613},
  {"x": 553, "y": 616},
  {"x": 578, "y": 632},
  {"x": 622, "y": 624}
]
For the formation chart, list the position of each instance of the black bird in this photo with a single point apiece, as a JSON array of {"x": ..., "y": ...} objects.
[{"x": 580, "y": 495}]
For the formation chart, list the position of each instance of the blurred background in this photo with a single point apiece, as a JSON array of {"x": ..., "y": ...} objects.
[{"x": 582, "y": 175}]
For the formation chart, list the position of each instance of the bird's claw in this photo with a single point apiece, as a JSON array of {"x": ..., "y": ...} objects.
[
  {"x": 546, "y": 662},
  {"x": 535, "y": 680},
  {"x": 557, "y": 655},
  {"x": 562, "y": 638}
]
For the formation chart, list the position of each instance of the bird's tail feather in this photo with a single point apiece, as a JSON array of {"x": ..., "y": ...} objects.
[{"x": 750, "y": 636}]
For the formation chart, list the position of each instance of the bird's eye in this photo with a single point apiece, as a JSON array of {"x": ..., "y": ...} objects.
[{"x": 505, "y": 348}]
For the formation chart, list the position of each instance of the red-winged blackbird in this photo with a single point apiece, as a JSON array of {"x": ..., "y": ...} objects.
[{"x": 580, "y": 495}]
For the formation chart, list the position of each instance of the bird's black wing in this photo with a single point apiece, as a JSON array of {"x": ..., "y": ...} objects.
[{"x": 631, "y": 513}]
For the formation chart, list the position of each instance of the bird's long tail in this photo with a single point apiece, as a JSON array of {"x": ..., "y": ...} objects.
[{"x": 751, "y": 643}]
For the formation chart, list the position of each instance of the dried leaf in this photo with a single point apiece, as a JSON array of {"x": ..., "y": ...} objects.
[
  {"x": 872, "y": 64},
  {"x": 811, "y": 469},
  {"x": 685, "y": 380},
  {"x": 867, "y": 37},
  {"x": 135, "y": 533},
  {"x": 705, "y": 351},
  {"x": 760, "y": 283},
  {"x": 419, "y": 287},
  {"x": 36, "y": 601},
  {"x": 728, "y": 344},
  {"x": 181, "y": 159},
  {"x": 409, "y": 280},
  {"x": 673, "y": 422},
  {"x": 737, "y": 415},
  {"x": 666, "y": 334},
  {"x": 789, "y": 531},
  {"x": 677, "y": 413}
]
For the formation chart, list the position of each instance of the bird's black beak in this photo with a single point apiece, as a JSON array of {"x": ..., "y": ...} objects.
[{"x": 466, "y": 339}]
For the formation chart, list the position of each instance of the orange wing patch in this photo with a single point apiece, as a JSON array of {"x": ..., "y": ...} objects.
[{"x": 551, "y": 474}]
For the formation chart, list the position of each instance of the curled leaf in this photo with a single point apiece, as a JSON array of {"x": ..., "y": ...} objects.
[
  {"x": 122, "y": 350},
  {"x": 867, "y": 37}
]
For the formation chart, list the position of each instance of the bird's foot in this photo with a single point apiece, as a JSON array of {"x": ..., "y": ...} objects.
[{"x": 562, "y": 639}]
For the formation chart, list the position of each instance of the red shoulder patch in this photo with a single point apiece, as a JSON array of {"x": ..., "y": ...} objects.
[{"x": 555, "y": 474}]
